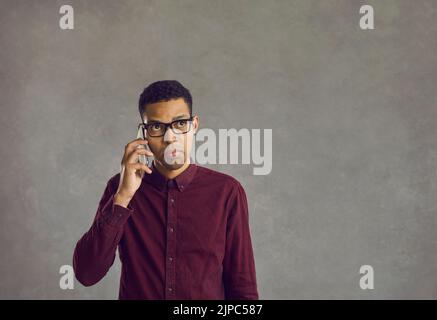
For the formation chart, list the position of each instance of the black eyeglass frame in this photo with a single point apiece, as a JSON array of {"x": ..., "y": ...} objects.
[{"x": 144, "y": 126}]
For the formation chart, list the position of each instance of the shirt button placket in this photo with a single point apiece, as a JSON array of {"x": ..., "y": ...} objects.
[{"x": 171, "y": 246}]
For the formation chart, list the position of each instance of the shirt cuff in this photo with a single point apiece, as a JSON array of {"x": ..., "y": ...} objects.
[{"x": 116, "y": 215}]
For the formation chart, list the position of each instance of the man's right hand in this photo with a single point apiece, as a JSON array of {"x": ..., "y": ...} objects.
[{"x": 132, "y": 171}]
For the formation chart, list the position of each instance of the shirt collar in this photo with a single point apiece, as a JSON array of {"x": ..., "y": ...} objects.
[{"x": 180, "y": 182}]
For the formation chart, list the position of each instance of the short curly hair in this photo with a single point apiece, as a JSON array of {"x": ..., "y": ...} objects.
[{"x": 164, "y": 90}]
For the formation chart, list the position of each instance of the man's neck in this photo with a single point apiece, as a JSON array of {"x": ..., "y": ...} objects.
[{"x": 170, "y": 174}]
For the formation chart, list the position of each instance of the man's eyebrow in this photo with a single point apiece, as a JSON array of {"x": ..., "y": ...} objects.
[
  {"x": 152, "y": 120},
  {"x": 182, "y": 116}
]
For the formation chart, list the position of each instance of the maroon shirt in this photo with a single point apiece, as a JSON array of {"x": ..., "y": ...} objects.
[{"x": 183, "y": 238}]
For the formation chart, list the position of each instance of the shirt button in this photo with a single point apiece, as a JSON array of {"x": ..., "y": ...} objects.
[
  {"x": 170, "y": 258},
  {"x": 182, "y": 186},
  {"x": 171, "y": 229},
  {"x": 171, "y": 200},
  {"x": 170, "y": 289}
]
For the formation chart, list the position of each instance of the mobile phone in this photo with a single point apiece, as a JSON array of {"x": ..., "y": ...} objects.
[{"x": 142, "y": 133}]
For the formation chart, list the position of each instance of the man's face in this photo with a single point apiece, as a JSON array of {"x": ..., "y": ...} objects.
[{"x": 171, "y": 150}]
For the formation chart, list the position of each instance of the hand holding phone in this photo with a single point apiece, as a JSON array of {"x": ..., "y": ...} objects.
[
  {"x": 144, "y": 159},
  {"x": 132, "y": 171}
]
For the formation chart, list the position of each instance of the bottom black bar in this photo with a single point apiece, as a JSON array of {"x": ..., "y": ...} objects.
[{"x": 225, "y": 310}]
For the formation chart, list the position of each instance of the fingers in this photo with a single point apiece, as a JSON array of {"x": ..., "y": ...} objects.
[
  {"x": 133, "y": 156},
  {"x": 134, "y": 144},
  {"x": 138, "y": 166}
]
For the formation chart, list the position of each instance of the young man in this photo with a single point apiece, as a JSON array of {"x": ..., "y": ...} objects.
[{"x": 182, "y": 230}]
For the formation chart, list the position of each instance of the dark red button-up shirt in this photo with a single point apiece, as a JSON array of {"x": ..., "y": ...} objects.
[{"x": 181, "y": 238}]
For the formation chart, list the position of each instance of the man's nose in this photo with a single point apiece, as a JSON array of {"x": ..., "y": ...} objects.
[{"x": 169, "y": 135}]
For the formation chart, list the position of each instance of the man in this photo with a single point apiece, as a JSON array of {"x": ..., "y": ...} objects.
[{"x": 182, "y": 230}]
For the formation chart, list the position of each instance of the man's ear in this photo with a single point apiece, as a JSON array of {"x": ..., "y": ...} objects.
[{"x": 196, "y": 129}]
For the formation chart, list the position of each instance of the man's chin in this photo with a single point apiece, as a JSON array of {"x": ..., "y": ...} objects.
[{"x": 174, "y": 166}]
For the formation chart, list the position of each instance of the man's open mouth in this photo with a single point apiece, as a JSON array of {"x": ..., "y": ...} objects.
[{"x": 174, "y": 153}]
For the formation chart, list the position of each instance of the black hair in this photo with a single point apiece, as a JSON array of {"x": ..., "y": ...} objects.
[{"x": 164, "y": 90}]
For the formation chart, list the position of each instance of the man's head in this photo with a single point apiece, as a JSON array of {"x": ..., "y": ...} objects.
[{"x": 163, "y": 102}]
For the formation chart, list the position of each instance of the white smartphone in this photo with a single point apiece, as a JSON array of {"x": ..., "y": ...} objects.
[{"x": 142, "y": 157}]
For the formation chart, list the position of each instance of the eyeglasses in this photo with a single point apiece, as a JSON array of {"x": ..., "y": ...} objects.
[{"x": 158, "y": 129}]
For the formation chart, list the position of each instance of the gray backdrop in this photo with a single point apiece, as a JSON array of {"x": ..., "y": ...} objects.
[{"x": 353, "y": 115}]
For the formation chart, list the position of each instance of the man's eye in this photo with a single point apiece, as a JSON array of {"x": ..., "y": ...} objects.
[
  {"x": 182, "y": 123},
  {"x": 156, "y": 126}
]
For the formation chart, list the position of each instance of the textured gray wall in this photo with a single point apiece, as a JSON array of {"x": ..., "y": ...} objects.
[{"x": 353, "y": 114}]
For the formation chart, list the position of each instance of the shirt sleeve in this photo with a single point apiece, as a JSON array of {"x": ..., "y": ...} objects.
[
  {"x": 238, "y": 264},
  {"x": 95, "y": 252}
]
